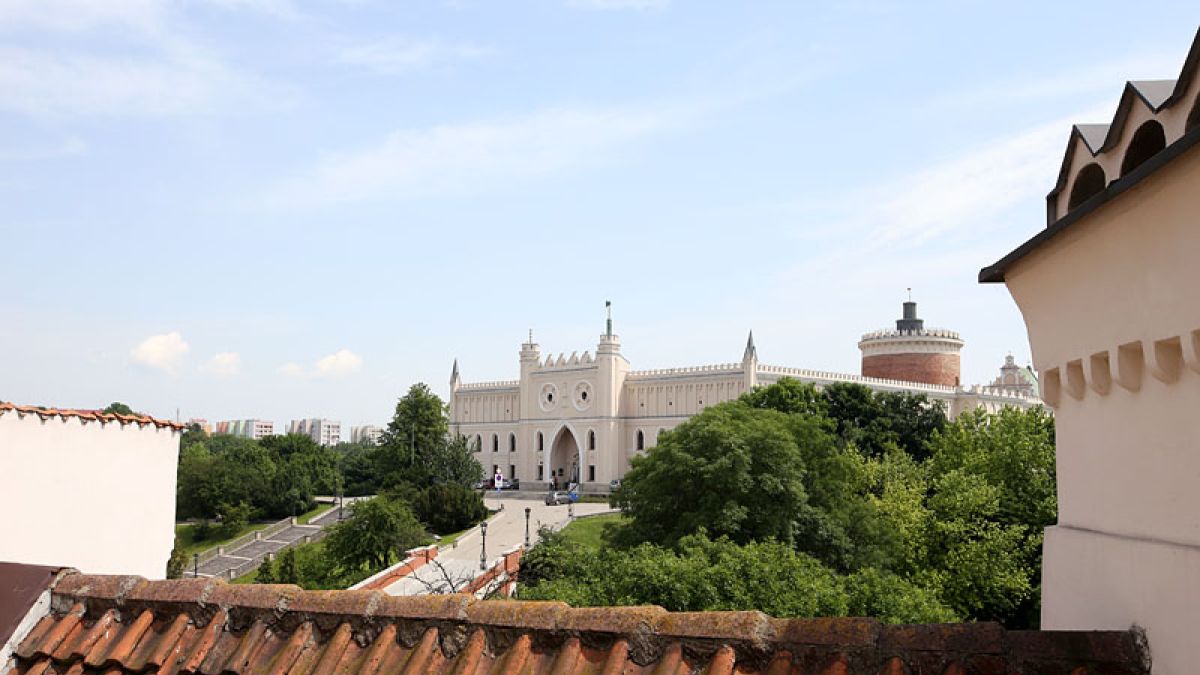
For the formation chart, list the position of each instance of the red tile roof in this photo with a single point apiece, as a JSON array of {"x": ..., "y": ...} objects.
[
  {"x": 86, "y": 416},
  {"x": 111, "y": 624}
]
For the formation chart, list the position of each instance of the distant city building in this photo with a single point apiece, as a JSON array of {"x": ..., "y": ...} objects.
[
  {"x": 251, "y": 428},
  {"x": 324, "y": 432},
  {"x": 204, "y": 424},
  {"x": 366, "y": 434}
]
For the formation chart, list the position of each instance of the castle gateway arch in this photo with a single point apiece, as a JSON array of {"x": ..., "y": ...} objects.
[{"x": 564, "y": 457}]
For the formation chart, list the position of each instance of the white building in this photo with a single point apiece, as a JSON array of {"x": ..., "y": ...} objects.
[
  {"x": 582, "y": 418},
  {"x": 323, "y": 431},
  {"x": 252, "y": 428},
  {"x": 88, "y": 490},
  {"x": 366, "y": 434}
]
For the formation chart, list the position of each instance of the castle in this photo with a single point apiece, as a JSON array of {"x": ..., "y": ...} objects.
[{"x": 581, "y": 418}]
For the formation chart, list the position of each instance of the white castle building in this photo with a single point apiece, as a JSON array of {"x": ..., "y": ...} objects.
[{"x": 582, "y": 418}]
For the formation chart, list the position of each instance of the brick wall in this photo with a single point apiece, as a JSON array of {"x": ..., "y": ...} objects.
[{"x": 927, "y": 368}]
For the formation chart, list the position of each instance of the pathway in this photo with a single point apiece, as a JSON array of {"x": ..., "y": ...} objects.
[
  {"x": 247, "y": 553},
  {"x": 506, "y": 531}
]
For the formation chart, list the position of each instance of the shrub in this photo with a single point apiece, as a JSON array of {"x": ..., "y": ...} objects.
[{"x": 448, "y": 507}]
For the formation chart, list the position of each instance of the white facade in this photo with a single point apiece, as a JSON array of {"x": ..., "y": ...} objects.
[
  {"x": 366, "y": 434},
  {"x": 86, "y": 490},
  {"x": 322, "y": 431},
  {"x": 582, "y": 418},
  {"x": 251, "y": 428}
]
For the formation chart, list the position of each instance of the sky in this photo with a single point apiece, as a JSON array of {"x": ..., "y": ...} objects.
[{"x": 284, "y": 209}]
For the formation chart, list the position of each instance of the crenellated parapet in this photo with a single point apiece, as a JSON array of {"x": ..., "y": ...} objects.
[{"x": 482, "y": 386}]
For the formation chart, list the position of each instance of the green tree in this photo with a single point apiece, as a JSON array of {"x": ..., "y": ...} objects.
[
  {"x": 788, "y": 395},
  {"x": 453, "y": 462},
  {"x": 376, "y": 530},
  {"x": 449, "y": 507},
  {"x": 733, "y": 470},
  {"x": 234, "y": 518},
  {"x": 177, "y": 563},
  {"x": 118, "y": 408},
  {"x": 418, "y": 426}
]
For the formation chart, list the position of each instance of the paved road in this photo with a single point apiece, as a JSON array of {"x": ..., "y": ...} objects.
[{"x": 506, "y": 531}]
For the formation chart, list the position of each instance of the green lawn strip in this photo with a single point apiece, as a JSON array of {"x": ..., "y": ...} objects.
[
  {"x": 587, "y": 532},
  {"x": 187, "y": 532},
  {"x": 448, "y": 540},
  {"x": 306, "y": 517}
]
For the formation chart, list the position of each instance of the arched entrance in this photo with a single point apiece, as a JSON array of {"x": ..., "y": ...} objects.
[{"x": 564, "y": 459}]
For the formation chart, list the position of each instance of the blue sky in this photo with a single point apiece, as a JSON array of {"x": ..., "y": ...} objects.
[{"x": 280, "y": 209}]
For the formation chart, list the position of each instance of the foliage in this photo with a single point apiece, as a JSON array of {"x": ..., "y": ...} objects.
[
  {"x": 448, "y": 507},
  {"x": 376, "y": 530},
  {"x": 177, "y": 563},
  {"x": 234, "y": 518},
  {"x": 917, "y": 518},
  {"x": 418, "y": 425},
  {"x": 871, "y": 421},
  {"x": 733, "y": 470},
  {"x": 118, "y": 408}
]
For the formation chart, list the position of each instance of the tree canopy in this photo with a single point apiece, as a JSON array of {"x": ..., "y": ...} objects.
[{"x": 904, "y": 515}]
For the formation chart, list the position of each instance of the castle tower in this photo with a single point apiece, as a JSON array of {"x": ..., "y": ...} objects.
[
  {"x": 911, "y": 352},
  {"x": 750, "y": 364}
]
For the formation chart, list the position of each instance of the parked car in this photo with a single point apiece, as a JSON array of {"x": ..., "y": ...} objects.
[
  {"x": 614, "y": 485},
  {"x": 557, "y": 498}
]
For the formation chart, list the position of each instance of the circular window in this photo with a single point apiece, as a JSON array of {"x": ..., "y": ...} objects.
[
  {"x": 549, "y": 393},
  {"x": 583, "y": 395}
]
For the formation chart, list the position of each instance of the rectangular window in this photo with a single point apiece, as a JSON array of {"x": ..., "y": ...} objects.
[
  {"x": 495, "y": 468},
  {"x": 591, "y": 473},
  {"x": 512, "y": 471},
  {"x": 541, "y": 472}
]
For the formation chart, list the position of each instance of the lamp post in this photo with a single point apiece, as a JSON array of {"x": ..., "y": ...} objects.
[
  {"x": 196, "y": 565},
  {"x": 483, "y": 547},
  {"x": 339, "y": 504},
  {"x": 526, "y": 527},
  {"x": 571, "y": 510}
]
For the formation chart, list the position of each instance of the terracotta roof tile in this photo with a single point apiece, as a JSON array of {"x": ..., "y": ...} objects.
[
  {"x": 130, "y": 625},
  {"x": 86, "y": 416}
]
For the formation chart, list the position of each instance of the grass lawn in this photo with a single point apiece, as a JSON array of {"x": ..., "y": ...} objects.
[
  {"x": 187, "y": 537},
  {"x": 587, "y": 531},
  {"x": 307, "y": 516},
  {"x": 448, "y": 540}
]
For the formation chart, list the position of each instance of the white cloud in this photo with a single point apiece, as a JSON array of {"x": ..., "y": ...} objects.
[
  {"x": 618, "y": 4},
  {"x": 453, "y": 158},
  {"x": 164, "y": 352},
  {"x": 223, "y": 364},
  {"x": 291, "y": 370},
  {"x": 970, "y": 188},
  {"x": 70, "y": 147},
  {"x": 338, "y": 364},
  {"x": 62, "y": 83},
  {"x": 145, "y": 16},
  {"x": 400, "y": 55}
]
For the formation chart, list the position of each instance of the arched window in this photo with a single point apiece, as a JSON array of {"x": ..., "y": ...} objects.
[
  {"x": 541, "y": 443},
  {"x": 495, "y": 443},
  {"x": 641, "y": 440},
  {"x": 1193, "y": 119},
  {"x": 591, "y": 440},
  {"x": 512, "y": 442},
  {"x": 1090, "y": 181},
  {"x": 478, "y": 443},
  {"x": 1146, "y": 142},
  {"x": 658, "y": 436}
]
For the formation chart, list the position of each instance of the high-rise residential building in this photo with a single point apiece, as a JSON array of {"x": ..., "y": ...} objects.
[
  {"x": 324, "y": 432},
  {"x": 366, "y": 434},
  {"x": 251, "y": 428},
  {"x": 202, "y": 423}
]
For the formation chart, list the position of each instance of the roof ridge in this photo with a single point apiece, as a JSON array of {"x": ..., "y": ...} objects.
[{"x": 89, "y": 415}]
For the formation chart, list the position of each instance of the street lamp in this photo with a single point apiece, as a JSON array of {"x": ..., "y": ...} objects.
[
  {"x": 483, "y": 547},
  {"x": 196, "y": 565},
  {"x": 570, "y": 509},
  {"x": 526, "y": 527}
]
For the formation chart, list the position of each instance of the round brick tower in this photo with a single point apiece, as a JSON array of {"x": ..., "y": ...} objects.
[{"x": 911, "y": 352}]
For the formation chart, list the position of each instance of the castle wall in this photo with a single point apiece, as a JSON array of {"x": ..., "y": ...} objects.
[{"x": 943, "y": 369}]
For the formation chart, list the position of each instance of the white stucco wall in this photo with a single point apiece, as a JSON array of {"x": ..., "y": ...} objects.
[{"x": 97, "y": 497}]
